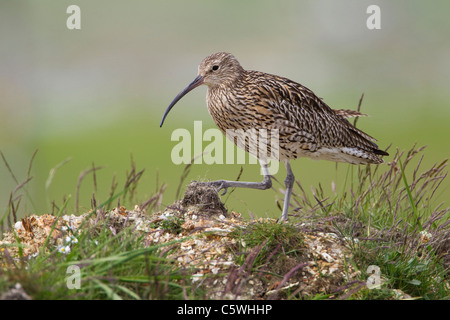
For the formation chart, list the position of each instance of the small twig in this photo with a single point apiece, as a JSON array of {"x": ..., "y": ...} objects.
[
  {"x": 8, "y": 167},
  {"x": 94, "y": 177},
  {"x": 80, "y": 178},
  {"x": 359, "y": 109},
  {"x": 31, "y": 163},
  {"x": 237, "y": 179}
]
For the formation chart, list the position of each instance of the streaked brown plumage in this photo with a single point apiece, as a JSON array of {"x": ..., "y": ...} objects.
[{"x": 307, "y": 126}]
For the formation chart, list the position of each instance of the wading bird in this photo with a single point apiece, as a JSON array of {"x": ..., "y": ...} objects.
[{"x": 306, "y": 126}]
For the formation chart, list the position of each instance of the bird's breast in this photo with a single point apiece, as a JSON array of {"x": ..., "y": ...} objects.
[{"x": 227, "y": 111}]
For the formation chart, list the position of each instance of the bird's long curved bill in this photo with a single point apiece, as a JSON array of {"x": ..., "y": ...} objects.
[{"x": 194, "y": 84}]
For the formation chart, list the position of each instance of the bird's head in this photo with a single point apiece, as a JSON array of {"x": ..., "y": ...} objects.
[{"x": 220, "y": 68}]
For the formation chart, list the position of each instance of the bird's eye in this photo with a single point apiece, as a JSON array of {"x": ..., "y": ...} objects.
[{"x": 215, "y": 67}]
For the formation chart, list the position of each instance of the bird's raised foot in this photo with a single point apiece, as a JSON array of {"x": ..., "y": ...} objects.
[
  {"x": 224, "y": 184},
  {"x": 219, "y": 185}
]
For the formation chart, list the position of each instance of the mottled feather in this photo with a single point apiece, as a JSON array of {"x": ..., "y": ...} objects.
[{"x": 308, "y": 127}]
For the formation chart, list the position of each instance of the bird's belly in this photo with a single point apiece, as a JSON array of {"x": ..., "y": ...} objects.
[{"x": 337, "y": 154}]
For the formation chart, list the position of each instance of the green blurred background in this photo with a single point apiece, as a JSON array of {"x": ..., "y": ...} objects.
[{"x": 96, "y": 95}]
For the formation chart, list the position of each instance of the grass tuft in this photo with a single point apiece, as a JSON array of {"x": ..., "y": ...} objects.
[{"x": 385, "y": 215}]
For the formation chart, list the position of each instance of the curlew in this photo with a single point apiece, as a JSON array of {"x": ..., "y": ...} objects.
[{"x": 306, "y": 126}]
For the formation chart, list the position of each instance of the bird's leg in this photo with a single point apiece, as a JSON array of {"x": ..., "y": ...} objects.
[
  {"x": 263, "y": 185},
  {"x": 289, "y": 183}
]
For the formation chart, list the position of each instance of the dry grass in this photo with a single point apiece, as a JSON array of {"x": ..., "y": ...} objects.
[{"x": 385, "y": 216}]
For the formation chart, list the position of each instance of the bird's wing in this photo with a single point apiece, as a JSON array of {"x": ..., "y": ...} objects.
[{"x": 296, "y": 110}]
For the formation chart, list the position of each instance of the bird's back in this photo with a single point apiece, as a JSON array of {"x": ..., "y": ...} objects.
[{"x": 307, "y": 126}]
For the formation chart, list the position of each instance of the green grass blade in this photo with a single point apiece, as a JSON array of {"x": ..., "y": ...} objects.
[{"x": 411, "y": 199}]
